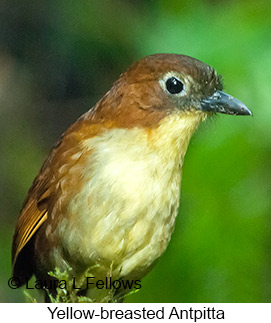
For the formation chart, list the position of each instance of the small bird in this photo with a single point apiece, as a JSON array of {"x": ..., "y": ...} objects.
[{"x": 107, "y": 196}]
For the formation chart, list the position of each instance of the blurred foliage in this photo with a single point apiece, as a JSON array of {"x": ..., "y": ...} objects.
[{"x": 58, "y": 57}]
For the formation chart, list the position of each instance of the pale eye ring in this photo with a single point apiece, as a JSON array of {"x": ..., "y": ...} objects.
[{"x": 174, "y": 85}]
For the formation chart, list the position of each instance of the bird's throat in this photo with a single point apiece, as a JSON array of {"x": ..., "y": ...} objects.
[{"x": 171, "y": 137}]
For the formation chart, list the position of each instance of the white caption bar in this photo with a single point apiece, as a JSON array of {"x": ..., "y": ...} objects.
[{"x": 188, "y": 312}]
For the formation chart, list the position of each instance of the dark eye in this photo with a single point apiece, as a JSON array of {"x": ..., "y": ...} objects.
[{"x": 174, "y": 85}]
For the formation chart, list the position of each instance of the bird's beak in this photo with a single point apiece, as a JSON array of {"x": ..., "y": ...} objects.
[{"x": 224, "y": 103}]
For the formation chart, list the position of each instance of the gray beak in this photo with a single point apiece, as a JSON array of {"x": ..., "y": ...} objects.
[{"x": 224, "y": 103}]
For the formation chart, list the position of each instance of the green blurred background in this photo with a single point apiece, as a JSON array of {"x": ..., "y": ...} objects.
[{"x": 57, "y": 58}]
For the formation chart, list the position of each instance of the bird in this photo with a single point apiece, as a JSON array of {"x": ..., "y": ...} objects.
[{"x": 107, "y": 196}]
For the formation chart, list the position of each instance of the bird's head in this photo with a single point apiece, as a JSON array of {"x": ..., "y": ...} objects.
[
  {"x": 181, "y": 82},
  {"x": 163, "y": 85}
]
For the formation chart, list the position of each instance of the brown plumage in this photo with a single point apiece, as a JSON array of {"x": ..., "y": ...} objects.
[{"x": 108, "y": 193}]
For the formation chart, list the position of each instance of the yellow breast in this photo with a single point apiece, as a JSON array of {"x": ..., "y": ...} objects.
[{"x": 129, "y": 201}]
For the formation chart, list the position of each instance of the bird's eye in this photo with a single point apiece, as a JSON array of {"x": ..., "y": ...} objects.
[{"x": 174, "y": 86}]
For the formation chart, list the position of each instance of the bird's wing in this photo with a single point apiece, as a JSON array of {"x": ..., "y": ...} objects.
[
  {"x": 29, "y": 221},
  {"x": 40, "y": 198},
  {"x": 34, "y": 213},
  {"x": 46, "y": 189}
]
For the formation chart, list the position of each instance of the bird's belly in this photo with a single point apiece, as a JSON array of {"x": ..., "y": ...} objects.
[{"x": 125, "y": 217}]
